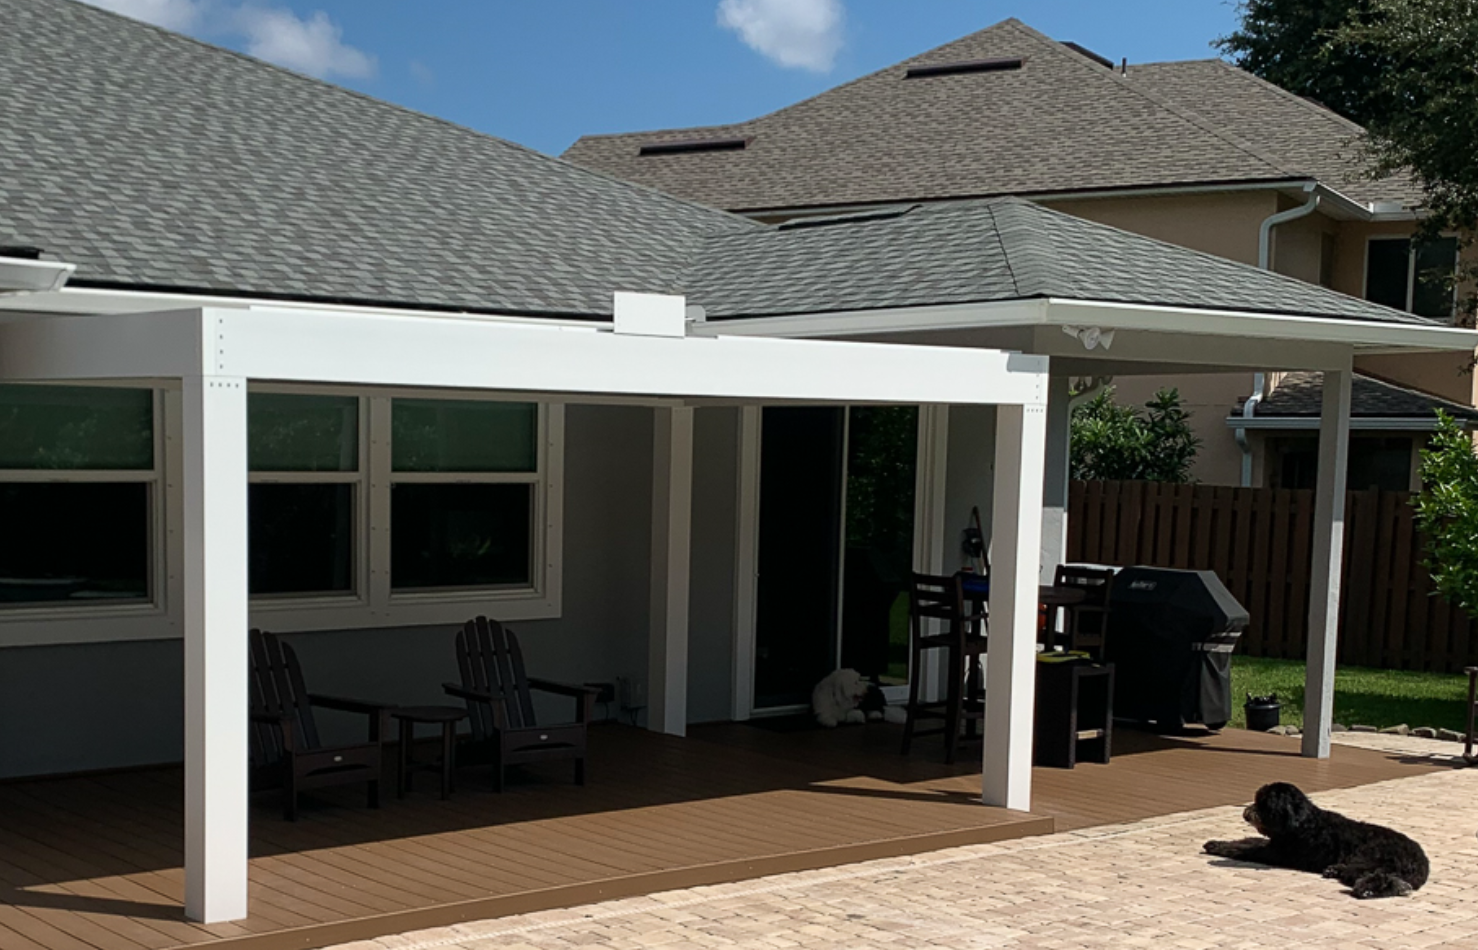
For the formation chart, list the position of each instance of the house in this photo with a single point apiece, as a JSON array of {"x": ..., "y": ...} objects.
[
  {"x": 1199, "y": 153},
  {"x": 277, "y": 354}
]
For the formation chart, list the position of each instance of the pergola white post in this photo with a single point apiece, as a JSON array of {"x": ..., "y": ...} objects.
[
  {"x": 1056, "y": 484},
  {"x": 215, "y": 608},
  {"x": 1016, "y": 535},
  {"x": 1324, "y": 580},
  {"x": 672, "y": 515}
]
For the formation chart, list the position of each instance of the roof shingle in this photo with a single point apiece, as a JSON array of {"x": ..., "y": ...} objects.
[
  {"x": 988, "y": 250},
  {"x": 1061, "y": 123},
  {"x": 1300, "y": 395},
  {"x": 152, "y": 160}
]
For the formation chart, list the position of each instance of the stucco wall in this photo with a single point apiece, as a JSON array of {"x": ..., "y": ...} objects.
[{"x": 1222, "y": 224}]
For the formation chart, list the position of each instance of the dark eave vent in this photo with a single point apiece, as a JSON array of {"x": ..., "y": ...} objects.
[
  {"x": 998, "y": 65},
  {"x": 695, "y": 145},
  {"x": 23, "y": 251},
  {"x": 1103, "y": 61}
]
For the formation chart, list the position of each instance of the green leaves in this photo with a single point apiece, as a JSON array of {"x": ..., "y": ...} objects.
[
  {"x": 1447, "y": 512},
  {"x": 1111, "y": 442}
]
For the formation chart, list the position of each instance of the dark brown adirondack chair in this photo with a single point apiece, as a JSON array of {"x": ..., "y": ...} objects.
[
  {"x": 286, "y": 752},
  {"x": 500, "y": 705}
]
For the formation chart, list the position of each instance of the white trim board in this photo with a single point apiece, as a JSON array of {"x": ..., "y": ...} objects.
[{"x": 437, "y": 352}]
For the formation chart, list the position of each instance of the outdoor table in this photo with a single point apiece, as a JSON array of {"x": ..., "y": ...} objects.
[{"x": 445, "y": 716}]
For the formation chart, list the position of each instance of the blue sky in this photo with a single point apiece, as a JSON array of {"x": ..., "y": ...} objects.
[{"x": 544, "y": 72}]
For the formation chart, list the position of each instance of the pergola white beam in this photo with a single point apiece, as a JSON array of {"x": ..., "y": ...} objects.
[
  {"x": 463, "y": 353},
  {"x": 672, "y": 516},
  {"x": 1325, "y": 579},
  {"x": 215, "y": 608},
  {"x": 1016, "y": 534}
]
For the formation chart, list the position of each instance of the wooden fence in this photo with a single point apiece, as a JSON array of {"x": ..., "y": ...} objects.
[{"x": 1260, "y": 542}]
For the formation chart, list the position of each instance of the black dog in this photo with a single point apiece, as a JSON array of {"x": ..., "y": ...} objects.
[{"x": 1370, "y": 860}]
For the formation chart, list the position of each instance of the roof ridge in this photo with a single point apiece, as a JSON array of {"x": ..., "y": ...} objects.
[
  {"x": 673, "y": 131},
  {"x": 1009, "y": 21},
  {"x": 1180, "y": 112},
  {"x": 460, "y": 129}
]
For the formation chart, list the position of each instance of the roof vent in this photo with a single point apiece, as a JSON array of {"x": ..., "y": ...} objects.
[
  {"x": 695, "y": 145},
  {"x": 997, "y": 65},
  {"x": 1103, "y": 61},
  {"x": 883, "y": 214}
]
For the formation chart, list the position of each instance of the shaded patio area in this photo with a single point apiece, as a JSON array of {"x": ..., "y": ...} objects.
[{"x": 95, "y": 861}]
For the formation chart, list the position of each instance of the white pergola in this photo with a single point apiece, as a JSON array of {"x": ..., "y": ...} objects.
[{"x": 214, "y": 353}]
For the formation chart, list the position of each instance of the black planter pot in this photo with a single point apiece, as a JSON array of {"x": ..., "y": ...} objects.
[{"x": 1262, "y": 712}]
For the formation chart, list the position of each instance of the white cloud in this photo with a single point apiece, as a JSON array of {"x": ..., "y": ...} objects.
[
  {"x": 170, "y": 14},
  {"x": 422, "y": 73},
  {"x": 804, "y": 34},
  {"x": 313, "y": 45}
]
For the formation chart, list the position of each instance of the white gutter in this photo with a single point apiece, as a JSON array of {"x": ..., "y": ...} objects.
[
  {"x": 1265, "y": 262},
  {"x": 1368, "y": 423},
  {"x": 22, "y": 275}
]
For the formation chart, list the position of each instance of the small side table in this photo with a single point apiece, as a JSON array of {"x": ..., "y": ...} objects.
[
  {"x": 445, "y": 716},
  {"x": 1075, "y": 713}
]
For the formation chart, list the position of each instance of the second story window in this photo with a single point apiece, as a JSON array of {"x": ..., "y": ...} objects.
[{"x": 1414, "y": 279}]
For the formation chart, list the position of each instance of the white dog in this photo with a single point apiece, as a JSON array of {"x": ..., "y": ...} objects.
[{"x": 836, "y": 698}]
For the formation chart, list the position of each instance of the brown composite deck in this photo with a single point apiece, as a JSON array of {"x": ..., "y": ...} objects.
[{"x": 93, "y": 863}]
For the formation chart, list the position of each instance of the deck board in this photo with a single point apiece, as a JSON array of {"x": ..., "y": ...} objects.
[{"x": 93, "y": 862}]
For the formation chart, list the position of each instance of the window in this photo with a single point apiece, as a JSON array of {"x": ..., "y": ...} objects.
[
  {"x": 1416, "y": 280},
  {"x": 464, "y": 495},
  {"x": 79, "y": 482},
  {"x": 306, "y": 484}
]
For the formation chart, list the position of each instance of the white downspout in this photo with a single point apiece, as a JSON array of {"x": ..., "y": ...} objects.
[{"x": 1265, "y": 262}]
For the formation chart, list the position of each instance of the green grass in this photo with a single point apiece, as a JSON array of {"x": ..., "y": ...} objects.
[{"x": 1366, "y": 696}]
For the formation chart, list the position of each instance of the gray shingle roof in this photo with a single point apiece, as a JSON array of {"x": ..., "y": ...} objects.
[
  {"x": 153, "y": 160},
  {"x": 1062, "y": 122},
  {"x": 1300, "y": 395},
  {"x": 1300, "y": 133},
  {"x": 987, "y": 250}
]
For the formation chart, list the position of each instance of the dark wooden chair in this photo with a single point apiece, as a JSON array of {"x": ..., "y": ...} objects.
[
  {"x": 1086, "y": 623},
  {"x": 500, "y": 705},
  {"x": 1472, "y": 672},
  {"x": 933, "y": 597},
  {"x": 286, "y": 751}
]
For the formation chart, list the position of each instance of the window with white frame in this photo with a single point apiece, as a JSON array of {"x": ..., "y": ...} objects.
[
  {"x": 363, "y": 510},
  {"x": 466, "y": 495},
  {"x": 1414, "y": 278},
  {"x": 79, "y": 485},
  {"x": 306, "y": 496}
]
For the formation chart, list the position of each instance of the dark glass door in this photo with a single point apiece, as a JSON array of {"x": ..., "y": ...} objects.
[
  {"x": 799, "y": 552},
  {"x": 882, "y": 462}
]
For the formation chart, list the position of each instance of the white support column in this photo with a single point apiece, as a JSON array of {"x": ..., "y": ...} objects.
[
  {"x": 1055, "y": 484},
  {"x": 1010, "y": 684},
  {"x": 215, "y": 609},
  {"x": 672, "y": 515},
  {"x": 1324, "y": 580},
  {"x": 746, "y": 562}
]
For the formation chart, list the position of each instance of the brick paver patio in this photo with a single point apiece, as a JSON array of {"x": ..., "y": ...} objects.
[{"x": 1141, "y": 885}]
